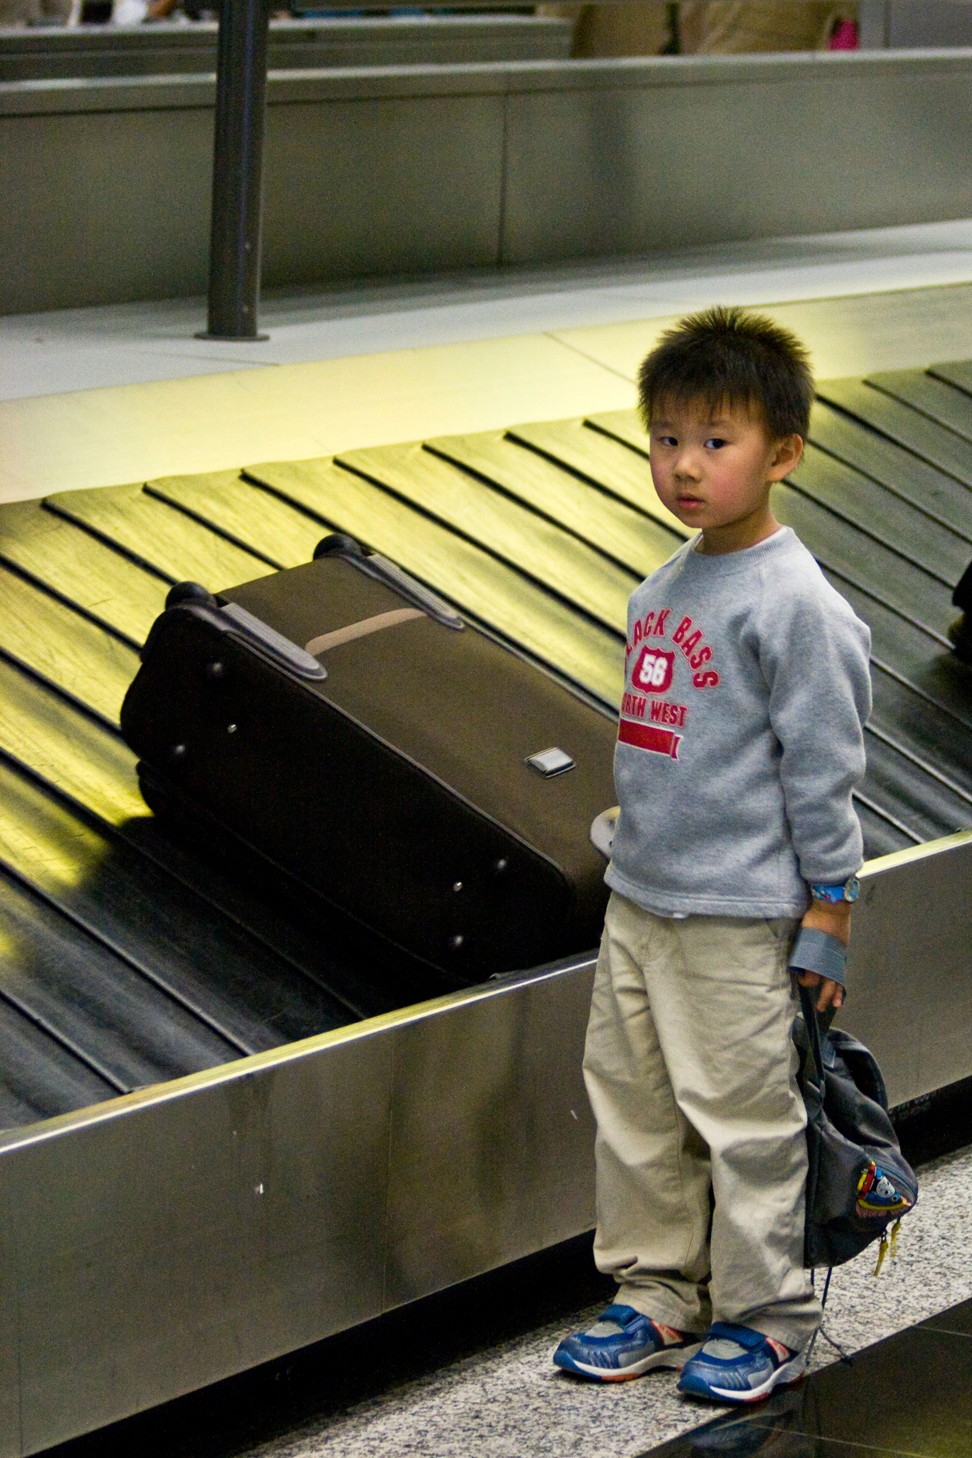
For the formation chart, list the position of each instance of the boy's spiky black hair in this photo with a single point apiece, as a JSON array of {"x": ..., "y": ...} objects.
[{"x": 726, "y": 356}]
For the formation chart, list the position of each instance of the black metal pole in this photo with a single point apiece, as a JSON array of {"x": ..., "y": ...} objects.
[{"x": 234, "y": 249}]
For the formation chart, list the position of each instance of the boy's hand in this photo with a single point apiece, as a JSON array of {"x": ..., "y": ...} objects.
[
  {"x": 831, "y": 993},
  {"x": 836, "y": 920}
]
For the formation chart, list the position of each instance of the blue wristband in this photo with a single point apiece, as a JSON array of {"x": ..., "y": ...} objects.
[{"x": 818, "y": 951}]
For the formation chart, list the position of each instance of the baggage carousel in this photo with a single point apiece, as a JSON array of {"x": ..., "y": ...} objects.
[{"x": 236, "y": 1122}]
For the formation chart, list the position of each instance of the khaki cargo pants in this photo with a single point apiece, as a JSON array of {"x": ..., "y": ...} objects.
[{"x": 701, "y": 1152}]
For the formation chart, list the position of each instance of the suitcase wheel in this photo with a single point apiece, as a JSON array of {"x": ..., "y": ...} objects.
[
  {"x": 338, "y": 544},
  {"x": 189, "y": 592}
]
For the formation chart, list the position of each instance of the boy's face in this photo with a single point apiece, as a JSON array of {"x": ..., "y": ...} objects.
[{"x": 713, "y": 468}]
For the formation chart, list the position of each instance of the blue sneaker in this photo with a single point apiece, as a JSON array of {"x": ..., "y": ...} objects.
[
  {"x": 737, "y": 1364},
  {"x": 621, "y": 1344}
]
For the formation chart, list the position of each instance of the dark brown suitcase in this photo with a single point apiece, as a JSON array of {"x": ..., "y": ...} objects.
[{"x": 345, "y": 723}]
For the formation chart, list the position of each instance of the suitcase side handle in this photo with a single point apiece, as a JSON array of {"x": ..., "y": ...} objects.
[
  {"x": 338, "y": 544},
  {"x": 236, "y": 622},
  {"x": 603, "y": 827}
]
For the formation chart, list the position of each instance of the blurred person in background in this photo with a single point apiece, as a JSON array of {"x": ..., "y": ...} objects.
[
  {"x": 739, "y": 27},
  {"x": 708, "y": 27}
]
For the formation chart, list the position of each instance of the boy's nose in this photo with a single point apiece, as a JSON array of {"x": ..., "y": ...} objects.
[{"x": 686, "y": 464}]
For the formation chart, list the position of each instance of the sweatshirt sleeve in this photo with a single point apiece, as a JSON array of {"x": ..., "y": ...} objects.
[{"x": 814, "y": 654}]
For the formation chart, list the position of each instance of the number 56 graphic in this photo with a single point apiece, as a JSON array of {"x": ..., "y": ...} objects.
[{"x": 653, "y": 671}]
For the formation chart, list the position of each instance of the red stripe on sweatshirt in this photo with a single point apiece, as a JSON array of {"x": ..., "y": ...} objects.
[{"x": 647, "y": 736}]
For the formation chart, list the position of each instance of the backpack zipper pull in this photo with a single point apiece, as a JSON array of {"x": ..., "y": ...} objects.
[{"x": 882, "y": 1252}]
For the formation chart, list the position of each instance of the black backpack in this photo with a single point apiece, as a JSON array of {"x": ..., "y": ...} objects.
[{"x": 859, "y": 1184}]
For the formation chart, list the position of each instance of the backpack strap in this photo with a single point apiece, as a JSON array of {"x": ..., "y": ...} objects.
[{"x": 813, "y": 1058}]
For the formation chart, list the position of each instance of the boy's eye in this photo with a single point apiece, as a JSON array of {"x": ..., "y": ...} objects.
[
  {"x": 666, "y": 440},
  {"x": 715, "y": 443}
]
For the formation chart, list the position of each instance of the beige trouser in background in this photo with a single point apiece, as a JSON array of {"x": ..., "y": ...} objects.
[
  {"x": 707, "y": 27},
  {"x": 701, "y": 1152},
  {"x": 620, "y": 29}
]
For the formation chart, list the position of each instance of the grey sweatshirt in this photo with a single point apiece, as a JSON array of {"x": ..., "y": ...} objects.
[{"x": 741, "y": 734}]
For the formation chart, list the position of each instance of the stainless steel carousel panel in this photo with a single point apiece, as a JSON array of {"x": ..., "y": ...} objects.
[
  {"x": 12, "y": 1298},
  {"x": 193, "y": 1230},
  {"x": 167, "y": 1239},
  {"x": 491, "y": 1149},
  {"x": 910, "y": 987}
]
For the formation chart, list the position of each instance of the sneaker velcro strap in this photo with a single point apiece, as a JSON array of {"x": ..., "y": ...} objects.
[
  {"x": 623, "y": 1315},
  {"x": 744, "y": 1336}
]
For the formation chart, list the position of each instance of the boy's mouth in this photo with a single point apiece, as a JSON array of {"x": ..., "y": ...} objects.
[{"x": 688, "y": 503}]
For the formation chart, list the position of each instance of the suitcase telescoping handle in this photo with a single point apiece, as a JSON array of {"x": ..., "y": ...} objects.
[
  {"x": 236, "y": 622},
  {"x": 338, "y": 544}
]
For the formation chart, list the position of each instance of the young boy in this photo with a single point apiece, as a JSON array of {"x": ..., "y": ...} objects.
[{"x": 734, "y": 861}]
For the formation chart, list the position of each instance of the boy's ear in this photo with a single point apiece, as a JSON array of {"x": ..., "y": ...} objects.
[{"x": 786, "y": 456}]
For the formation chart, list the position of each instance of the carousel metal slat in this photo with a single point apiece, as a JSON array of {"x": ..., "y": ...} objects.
[
  {"x": 881, "y": 835},
  {"x": 196, "y": 955},
  {"x": 100, "y": 1008},
  {"x": 937, "y": 744},
  {"x": 66, "y": 748},
  {"x": 928, "y": 808},
  {"x": 937, "y": 785},
  {"x": 530, "y": 543},
  {"x": 942, "y": 684},
  {"x": 73, "y": 758},
  {"x": 622, "y": 425},
  {"x": 941, "y": 448},
  {"x": 226, "y": 503},
  {"x": 904, "y": 474},
  {"x": 954, "y": 372},
  {"x": 605, "y": 461},
  {"x": 64, "y": 648},
  {"x": 936, "y": 399},
  {"x": 489, "y": 591},
  {"x": 876, "y": 570},
  {"x": 614, "y": 527},
  {"x": 67, "y": 560},
  {"x": 39, "y": 1077},
  {"x": 152, "y": 535},
  {"x": 867, "y": 506}
]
